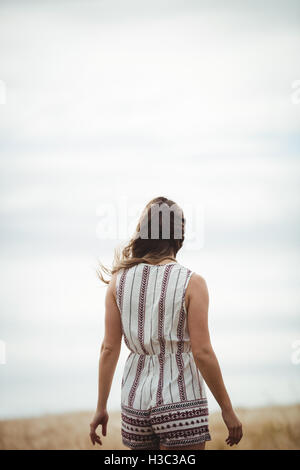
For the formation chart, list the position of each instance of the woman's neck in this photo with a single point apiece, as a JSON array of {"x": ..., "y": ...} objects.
[{"x": 167, "y": 260}]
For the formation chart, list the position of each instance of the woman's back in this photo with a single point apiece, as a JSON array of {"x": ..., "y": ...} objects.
[
  {"x": 160, "y": 368},
  {"x": 152, "y": 306},
  {"x": 162, "y": 389}
]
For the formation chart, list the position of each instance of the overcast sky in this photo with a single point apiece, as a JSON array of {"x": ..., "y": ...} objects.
[{"x": 113, "y": 101}]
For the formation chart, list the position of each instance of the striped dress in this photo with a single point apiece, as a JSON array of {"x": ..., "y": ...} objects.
[{"x": 163, "y": 394}]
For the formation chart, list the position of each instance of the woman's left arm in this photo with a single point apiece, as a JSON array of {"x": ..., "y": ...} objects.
[{"x": 109, "y": 355}]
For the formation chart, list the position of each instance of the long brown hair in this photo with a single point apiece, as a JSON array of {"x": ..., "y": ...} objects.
[{"x": 152, "y": 248}]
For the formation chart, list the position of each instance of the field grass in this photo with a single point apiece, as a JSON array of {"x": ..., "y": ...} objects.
[{"x": 264, "y": 428}]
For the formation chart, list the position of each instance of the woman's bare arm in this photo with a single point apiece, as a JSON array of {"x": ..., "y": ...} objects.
[
  {"x": 109, "y": 355},
  {"x": 197, "y": 303}
]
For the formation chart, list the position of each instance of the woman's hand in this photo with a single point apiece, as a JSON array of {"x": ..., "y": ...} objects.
[
  {"x": 234, "y": 427},
  {"x": 101, "y": 417}
]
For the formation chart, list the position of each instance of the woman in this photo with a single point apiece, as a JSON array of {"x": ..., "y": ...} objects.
[{"x": 161, "y": 309}]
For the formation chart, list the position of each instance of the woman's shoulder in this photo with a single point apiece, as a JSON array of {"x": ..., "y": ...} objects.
[
  {"x": 197, "y": 283},
  {"x": 196, "y": 289}
]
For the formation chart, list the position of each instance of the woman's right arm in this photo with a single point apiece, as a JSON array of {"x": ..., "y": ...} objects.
[{"x": 197, "y": 302}]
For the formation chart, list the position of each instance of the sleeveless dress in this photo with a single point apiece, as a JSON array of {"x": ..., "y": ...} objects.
[{"x": 163, "y": 396}]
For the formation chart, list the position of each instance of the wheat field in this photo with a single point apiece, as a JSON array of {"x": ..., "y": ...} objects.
[{"x": 264, "y": 428}]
